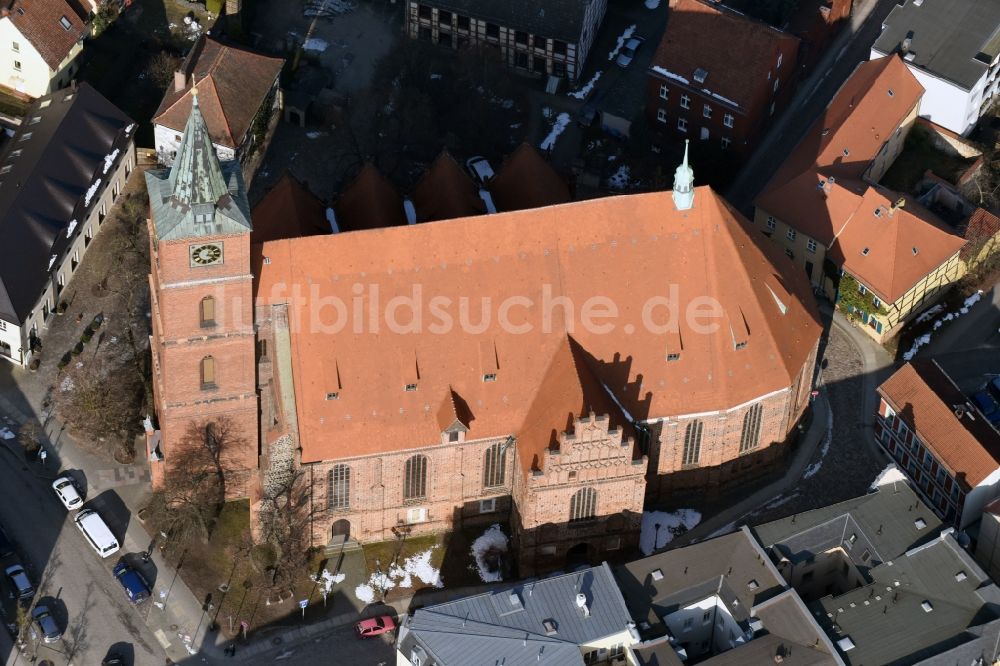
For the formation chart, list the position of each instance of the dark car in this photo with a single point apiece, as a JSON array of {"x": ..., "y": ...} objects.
[
  {"x": 994, "y": 387},
  {"x": 20, "y": 584},
  {"x": 988, "y": 405},
  {"x": 136, "y": 587},
  {"x": 6, "y": 545},
  {"x": 47, "y": 625}
]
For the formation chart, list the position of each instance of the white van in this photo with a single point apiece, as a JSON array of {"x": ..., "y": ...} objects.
[{"x": 96, "y": 532}]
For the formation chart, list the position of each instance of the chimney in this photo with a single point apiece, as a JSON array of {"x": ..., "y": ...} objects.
[
  {"x": 180, "y": 80},
  {"x": 900, "y": 202},
  {"x": 581, "y": 603}
]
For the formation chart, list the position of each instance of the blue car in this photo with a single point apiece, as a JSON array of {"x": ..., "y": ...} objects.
[
  {"x": 136, "y": 587},
  {"x": 988, "y": 405}
]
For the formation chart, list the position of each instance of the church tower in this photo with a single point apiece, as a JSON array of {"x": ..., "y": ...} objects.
[
  {"x": 683, "y": 193},
  {"x": 201, "y": 287}
]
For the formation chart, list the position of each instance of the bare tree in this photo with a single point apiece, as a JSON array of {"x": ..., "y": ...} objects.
[
  {"x": 285, "y": 518},
  {"x": 194, "y": 489},
  {"x": 162, "y": 67}
]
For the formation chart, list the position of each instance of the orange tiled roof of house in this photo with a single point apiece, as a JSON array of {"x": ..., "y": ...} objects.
[
  {"x": 42, "y": 23},
  {"x": 526, "y": 180},
  {"x": 628, "y": 249},
  {"x": 232, "y": 84},
  {"x": 924, "y": 397},
  {"x": 981, "y": 226},
  {"x": 288, "y": 210},
  {"x": 739, "y": 72},
  {"x": 891, "y": 248},
  {"x": 821, "y": 189},
  {"x": 445, "y": 192},
  {"x": 369, "y": 202}
]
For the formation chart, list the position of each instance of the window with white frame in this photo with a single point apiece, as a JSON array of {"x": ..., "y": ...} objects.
[
  {"x": 862, "y": 289},
  {"x": 726, "y": 142},
  {"x": 876, "y": 301},
  {"x": 416, "y": 515},
  {"x": 488, "y": 505},
  {"x": 780, "y": 55},
  {"x": 664, "y": 92},
  {"x": 770, "y": 222},
  {"x": 727, "y": 120},
  {"x": 661, "y": 115},
  {"x": 776, "y": 81},
  {"x": 811, "y": 245},
  {"x": 685, "y": 102},
  {"x": 706, "y": 111},
  {"x": 790, "y": 235},
  {"x": 682, "y": 124}
]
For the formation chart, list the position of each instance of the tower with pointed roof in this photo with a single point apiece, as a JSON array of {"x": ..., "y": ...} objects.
[
  {"x": 203, "y": 345},
  {"x": 684, "y": 183}
]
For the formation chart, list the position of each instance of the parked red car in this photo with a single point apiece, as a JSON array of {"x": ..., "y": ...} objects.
[{"x": 374, "y": 626}]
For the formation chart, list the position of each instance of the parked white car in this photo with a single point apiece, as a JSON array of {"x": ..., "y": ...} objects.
[{"x": 67, "y": 493}]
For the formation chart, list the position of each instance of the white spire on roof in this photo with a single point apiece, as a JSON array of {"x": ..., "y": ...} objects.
[{"x": 684, "y": 183}]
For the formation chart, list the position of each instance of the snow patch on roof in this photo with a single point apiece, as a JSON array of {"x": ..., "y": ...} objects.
[
  {"x": 670, "y": 75},
  {"x": 91, "y": 191},
  {"x": 560, "y": 124},
  {"x": 71, "y": 228}
]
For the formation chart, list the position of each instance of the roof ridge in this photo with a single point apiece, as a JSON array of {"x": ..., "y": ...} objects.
[{"x": 222, "y": 109}]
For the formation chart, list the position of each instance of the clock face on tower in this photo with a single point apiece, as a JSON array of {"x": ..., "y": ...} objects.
[{"x": 208, "y": 254}]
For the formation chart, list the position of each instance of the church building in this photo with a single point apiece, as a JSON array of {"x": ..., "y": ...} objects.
[{"x": 557, "y": 368}]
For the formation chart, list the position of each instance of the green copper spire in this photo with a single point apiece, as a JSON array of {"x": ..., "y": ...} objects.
[{"x": 196, "y": 177}]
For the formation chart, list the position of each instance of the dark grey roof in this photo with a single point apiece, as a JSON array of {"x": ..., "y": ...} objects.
[
  {"x": 558, "y": 19},
  {"x": 947, "y": 37},
  {"x": 976, "y": 643},
  {"x": 506, "y": 626},
  {"x": 884, "y": 522},
  {"x": 54, "y": 159},
  {"x": 888, "y": 620},
  {"x": 733, "y": 565},
  {"x": 198, "y": 196}
]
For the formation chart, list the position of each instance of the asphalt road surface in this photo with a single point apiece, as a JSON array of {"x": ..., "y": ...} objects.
[{"x": 88, "y": 603}]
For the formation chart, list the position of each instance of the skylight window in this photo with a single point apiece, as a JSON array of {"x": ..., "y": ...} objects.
[
  {"x": 333, "y": 396},
  {"x": 64, "y": 22},
  {"x": 35, "y": 120},
  {"x": 410, "y": 387},
  {"x": 864, "y": 252},
  {"x": 915, "y": 251},
  {"x": 700, "y": 75},
  {"x": 846, "y": 152},
  {"x": 25, "y": 136},
  {"x": 657, "y": 574},
  {"x": 960, "y": 576},
  {"x": 891, "y": 93},
  {"x": 490, "y": 377},
  {"x": 5, "y": 169},
  {"x": 845, "y": 643},
  {"x": 920, "y": 523},
  {"x": 927, "y": 606}
]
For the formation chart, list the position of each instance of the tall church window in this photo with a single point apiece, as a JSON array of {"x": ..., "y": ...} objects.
[
  {"x": 415, "y": 478},
  {"x": 494, "y": 466},
  {"x": 692, "y": 442},
  {"x": 208, "y": 372},
  {"x": 207, "y": 311},
  {"x": 750, "y": 437},
  {"x": 583, "y": 505},
  {"x": 338, "y": 494}
]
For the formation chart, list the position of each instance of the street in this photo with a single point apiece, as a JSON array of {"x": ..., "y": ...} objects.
[
  {"x": 71, "y": 579},
  {"x": 341, "y": 646}
]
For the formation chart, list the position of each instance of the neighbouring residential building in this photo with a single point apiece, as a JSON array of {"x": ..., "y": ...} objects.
[
  {"x": 698, "y": 91},
  {"x": 824, "y": 207},
  {"x": 982, "y": 236},
  {"x": 432, "y": 413},
  {"x": 565, "y": 620},
  {"x": 42, "y": 40},
  {"x": 944, "y": 445},
  {"x": 719, "y": 602},
  {"x": 239, "y": 97},
  {"x": 817, "y": 23},
  {"x": 60, "y": 173},
  {"x": 953, "y": 50},
  {"x": 544, "y": 37},
  {"x": 988, "y": 540},
  {"x": 884, "y": 581}
]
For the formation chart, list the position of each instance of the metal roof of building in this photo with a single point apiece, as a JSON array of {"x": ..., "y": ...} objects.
[
  {"x": 946, "y": 37},
  {"x": 50, "y": 175},
  {"x": 509, "y": 626},
  {"x": 198, "y": 196}
]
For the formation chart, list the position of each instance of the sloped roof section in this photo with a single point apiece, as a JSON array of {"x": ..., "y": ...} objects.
[
  {"x": 740, "y": 73},
  {"x": 926, "y": 398},
  {"x": 52, "y": 26},
  {"x": 628, "y": 249},
  {"x": 370, "y": 201},
  {"x": 232, "y": 84},
  {"x": 54, "y": 158},
  {"x": 526, "y": 180},
  {"x": 445, "y": 192},
  {"x": 198, "y": 196},
  {"x": 288, "y": 210}
]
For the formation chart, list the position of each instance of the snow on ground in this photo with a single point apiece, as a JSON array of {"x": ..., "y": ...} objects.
[
  {"x": 109, "y": 159},
  {"x": 622, "y": 38},
  {"x": 929, "y": 314},
  {"x": 315, "y": 44},
  {"x": 327, "y": 580},
  {"x": 5, "y": 433},
  {"x": 562, "y": 120},
  {"x": 815, "y": 467},
  {"x": 586, "y": 90},
  {"x": 67, "y": 385},
  {"x": 652, "y": 4},
  {"x": 314, "y": 134},
  {"x": 779, "y": 500},
  {"x": 619, "y": 180},
  {"x": 926, "y": 337},
  {"x": 670, "y": 523},
  {"x": 492, "y": 542},
  {"x": 418, "y": 565},
  {"x": 890, "y": 474}
]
